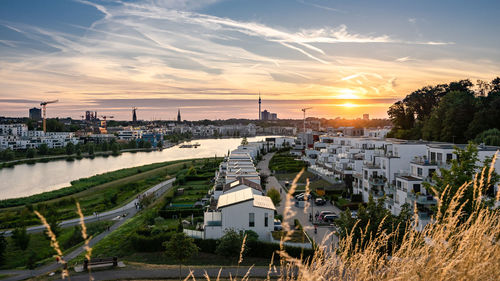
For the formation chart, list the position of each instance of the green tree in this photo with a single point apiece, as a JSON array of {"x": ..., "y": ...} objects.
[
  {"x": 463, "y": 170},
  {"x": 370, "y": 221},
  {"x": 21, "y": 238},
  {"x": 230, "y": 244},
  {"x": 30, "y": 153},
  {"x": 115, "y": 149},
  {"x": 275, "y": 196},
  {"x": 8, "y": 154},
  {"x": 489, "y": 137},
  {"x": 70, "y": 148},
  {"x": 91, "y": 149},
  {"x": 3, "y": 247},
  {"x": 244, "y": 141},
  {"x": 104, "y": 146},
  {"x": 181, "y": 248},
  {"x": 132, "y": 144},
  {"x": 43, "y": 149},
  {"x": 147, "y": 144}
]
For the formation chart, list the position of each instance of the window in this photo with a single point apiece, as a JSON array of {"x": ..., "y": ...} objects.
[
  {"x": 251, "y": 219},
  {"x": 416, "y": 187},
  {"x": 433, "y": 156},
  {"x": 449, "y": 156},
  {"x": 419, "y": 171},
  {"x": 266, "y": 220},
  {"x": 439, "y": 157}
]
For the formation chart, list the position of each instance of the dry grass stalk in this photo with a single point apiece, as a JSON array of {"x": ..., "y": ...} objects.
[
  {"x": 54, "y": 244},
  {"x": 86, "y": 238}
]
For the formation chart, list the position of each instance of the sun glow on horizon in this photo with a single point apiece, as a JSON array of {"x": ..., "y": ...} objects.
[{"x": 349, "y": 104}]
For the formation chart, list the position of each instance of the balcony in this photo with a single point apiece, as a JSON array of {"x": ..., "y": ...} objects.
[
  {"x": 377, "y": 181},
  {"x": 422, "y": 199}
]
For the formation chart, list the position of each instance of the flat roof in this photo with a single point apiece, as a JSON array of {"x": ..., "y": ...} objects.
[{"x": 244, "y": 195}]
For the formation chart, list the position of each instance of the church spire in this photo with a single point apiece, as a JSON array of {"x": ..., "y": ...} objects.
[
  {"x": 260, "y": 101},
  {"x": 178, "y": 115}
]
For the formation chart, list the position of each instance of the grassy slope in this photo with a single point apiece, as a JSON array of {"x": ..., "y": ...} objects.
[{"x": 39, "y": 245}]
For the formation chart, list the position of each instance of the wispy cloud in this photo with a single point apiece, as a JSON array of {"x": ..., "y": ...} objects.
[{"x": 323, "y": 7}]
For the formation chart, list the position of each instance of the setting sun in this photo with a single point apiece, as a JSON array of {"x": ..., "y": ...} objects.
[{"x": 348, "y": 104}]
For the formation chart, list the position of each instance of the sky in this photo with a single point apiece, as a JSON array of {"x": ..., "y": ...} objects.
[{"x": 211, "y": 58}]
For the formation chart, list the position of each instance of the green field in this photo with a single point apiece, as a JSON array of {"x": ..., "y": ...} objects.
[{"x": 284, "y": 162}]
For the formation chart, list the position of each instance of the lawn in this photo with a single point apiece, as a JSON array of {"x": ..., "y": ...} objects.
[
  {"x": 39, "y": 246},
  {"x": 201, "y": 259},
  {"x": 284, "y": 162},
  {"x": 297, "y": 236}
]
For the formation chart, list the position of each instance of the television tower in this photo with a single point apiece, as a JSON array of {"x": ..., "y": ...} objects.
[{"x": 260, "y": 101}]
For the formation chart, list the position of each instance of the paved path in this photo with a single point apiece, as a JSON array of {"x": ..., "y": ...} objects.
[
  {"x": 173, "y": 273},
  {"x": 302, "y": 214},
  {"x": 128, "y": 209}
]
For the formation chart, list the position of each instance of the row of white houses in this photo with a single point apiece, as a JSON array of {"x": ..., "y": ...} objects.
[{"x": 238, "y": 200}]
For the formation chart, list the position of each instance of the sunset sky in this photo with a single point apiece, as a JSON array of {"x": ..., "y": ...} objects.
[{"x": 211, "y": 58}]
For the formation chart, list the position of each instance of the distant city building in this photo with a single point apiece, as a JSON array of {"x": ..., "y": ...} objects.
[
  {"x": 260, "y": 114},
  {"x": 179, "y": 115},
  {"x": 134, "y": 115},
  {"x": 268, "y": 116},
  {"x": 35, "y": 113},
  {"x": 366, "y": 116}
]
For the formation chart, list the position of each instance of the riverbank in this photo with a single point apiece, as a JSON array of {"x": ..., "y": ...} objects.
[{"x": 72, "y": 157}]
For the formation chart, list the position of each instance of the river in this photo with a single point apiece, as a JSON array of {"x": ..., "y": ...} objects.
[{"x": 25, "y": 179}]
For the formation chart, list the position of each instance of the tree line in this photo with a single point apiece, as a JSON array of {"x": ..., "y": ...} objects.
[{"x": 457, "y": 112}]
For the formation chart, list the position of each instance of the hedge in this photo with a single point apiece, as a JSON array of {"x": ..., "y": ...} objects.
[
  {"x": 168, "y": 213},
  {"x": 153, "y": 243},
  {"x": 258, "y": 249}
]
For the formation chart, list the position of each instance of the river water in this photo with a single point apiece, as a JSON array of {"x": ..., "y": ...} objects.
[{"x": 24, "y": 180}]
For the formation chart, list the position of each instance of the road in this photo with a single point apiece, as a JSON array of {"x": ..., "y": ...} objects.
[
  {"x": 324, "y": 236},
  {"x": 128, "y": 209}
]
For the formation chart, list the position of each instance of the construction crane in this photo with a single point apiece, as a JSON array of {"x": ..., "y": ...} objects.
[
  {"x": 304, "y": 110},
  {"x": 104, "y": 117},
  {"x": 43, "y": 104}
]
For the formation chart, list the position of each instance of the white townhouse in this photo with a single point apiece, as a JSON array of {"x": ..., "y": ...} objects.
[{"x": 240, "y": 210}]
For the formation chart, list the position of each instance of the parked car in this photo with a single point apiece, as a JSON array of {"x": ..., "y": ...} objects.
[
  {"x": 303, "y": 197},
  {"x": 299, "y": 195},
  {"x": 330, "y": 218},
  {"x": 320, "y": 201},
  {"x": 354, "y": 214},
  {"x": 277, "y": 225},
  {"x": 324, "y": 213}
]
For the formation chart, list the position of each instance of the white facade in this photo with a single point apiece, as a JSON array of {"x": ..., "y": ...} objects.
[{"x": 240, "y": 210}]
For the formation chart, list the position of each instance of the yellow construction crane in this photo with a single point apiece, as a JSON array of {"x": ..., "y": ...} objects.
[
  {"x": 43, "y": 104},
  {"x": 304, "y": 110},
  {"x": 104, "y": 117}
]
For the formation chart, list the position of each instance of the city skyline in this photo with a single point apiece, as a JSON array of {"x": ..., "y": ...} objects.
[{"x": 211, "y": 58}]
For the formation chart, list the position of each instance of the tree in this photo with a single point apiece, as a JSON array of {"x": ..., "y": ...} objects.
[
  {"x": 3, "y": 247},
  {"x": 70, "y": 148},
  {"x": 275, "y": 196},
  {"x": 244, "y": 141},
  {"x": 21, "y": 238},
  {"x": 43, "y": 149},
  {"x": 115, "y": 149},
  {"x": 370, "y": 221},
  {"x": 230, "y": 244},
  {"x": 181, "y": 248},
  {"x": 147, "y": 144},
  {"x": 462, "y": 171},
  {"x": 489, "y": 137},
  {"x": 91, "y": 149},
  {"x": 132, "y": 144},
  {"x": 30, "y": 153}
]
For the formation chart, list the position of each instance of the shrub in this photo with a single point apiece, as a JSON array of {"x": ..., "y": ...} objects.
[{"x": 151, "y": 243}]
